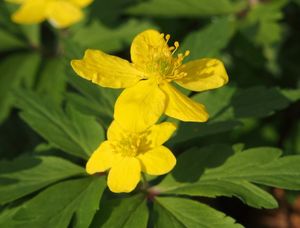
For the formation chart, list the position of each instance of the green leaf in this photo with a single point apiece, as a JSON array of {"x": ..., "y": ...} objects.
[
  {"x": 177, "y": 212},
  {"x": 208, "y": 42},
  {"x": 90, "y": 203},
  {"x": 98, "y": 36},
  {"x": 127, "y": 212},
  {"x": 291, "y": 94},
  {"x": 266, "y": 17},
  {"x": 187, "y": 8},
  {"x": 32, "y": 33},
  {"x": 227, "y": 105},
  {"x": 25, "y": 175},
  {"x": 218, "y": 170},
  {"x": 256, "y": 101},
  {"x": 70, "y": 131},
  {"x": 54, "y": 207},
  {"x": 9, "y": 41},
  {"x": 191, "y": 131},
  {"x": 94, "y": 100},
  {"x": 52, "y": 79},
  {"x": 12, "y": 77},
  {"x": 6, "y": 216}
]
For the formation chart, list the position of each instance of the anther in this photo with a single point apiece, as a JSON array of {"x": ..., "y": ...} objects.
[
  {"x": 167, "y": 37},
  {"x": 187, "y": 53},
  {"x": 176, "y": 44}
]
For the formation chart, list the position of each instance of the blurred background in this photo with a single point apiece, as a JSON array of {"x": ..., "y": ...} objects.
[{"x": 258, "y": 40}]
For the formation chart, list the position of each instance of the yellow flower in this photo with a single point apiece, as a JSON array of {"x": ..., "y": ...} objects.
[
  {"x": 127, "y": 153},
  {"x": 60, "y": 13},
  {"x": 148, "y": 78}
]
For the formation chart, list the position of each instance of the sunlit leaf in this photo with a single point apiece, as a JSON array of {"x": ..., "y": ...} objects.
[
  {"x": 70, "y": 130},
  {"x": 181, "y": 213},
  {"x": 218, "y": 170},
  {"x": 25, "y": 175},
  {"x": 130, "y": 212},
  {"x": 187, "y": 8}
]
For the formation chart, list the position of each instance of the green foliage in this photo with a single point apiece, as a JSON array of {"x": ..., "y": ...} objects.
[
  {"x": 55, "y": 206},
  {"x": 128, "y": 212},
  {"x": 228, "y": 105},
  {"x": 265, "y": 18},
  {"x": 29, "y": 174},
  {"x": 188, "y": 8},
  {"x": 69, "y": 130},
  {"x": 93, "y": 100},
  {"x": 47, "y": 185},
  {"x": 52, "y": 75},
  {"x": 209, "y": 41},
  {"x": 107, "y": 39},
  {"x": 187, "y": 213},
  {"x": 14, "y": 77},
  {"x": 217, "y": 170}
]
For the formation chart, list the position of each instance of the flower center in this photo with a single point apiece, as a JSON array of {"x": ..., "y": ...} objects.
[
  {"x": 162, "y": 63},
  {"x": 129, "y": 145}
]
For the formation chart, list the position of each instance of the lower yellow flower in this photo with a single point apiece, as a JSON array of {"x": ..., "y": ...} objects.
[
  {"x": 127, "y": 153},
  {"x": 60, "y": 13}
]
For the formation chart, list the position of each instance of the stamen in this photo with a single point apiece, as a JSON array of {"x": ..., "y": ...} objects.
[
  {"x": 187, "y": 53},
  {"x": 171, "y": 48},
  {"x": 176, "y": 46},
  {"x": 167, "y": 38}
]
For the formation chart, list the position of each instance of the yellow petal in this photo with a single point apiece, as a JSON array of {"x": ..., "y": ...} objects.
[
  {"x": 106, "y": 70},
  {"x": 157, "y": 161},
  {"x": 102, "y": 159},
  {"x": 62, "y": 14},
  {"x": 124, "y": 175},
  {"x": 203, "y": 74},
  {"x": 115, "y": 131},
  {"x": 82, "y": 3},
  {"x": 181, "y": 107},
  {"x": 157, "y": 135},
  {"x": 143, "y": 45},
  {"x": 140, "y": 106},
  {"x": 30, "y": 12}
]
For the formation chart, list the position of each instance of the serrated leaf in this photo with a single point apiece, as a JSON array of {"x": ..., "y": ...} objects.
[
  {"x": 52, "y": 79},
  {"x": 262, "y": 22},
  {"x": 130, "y": 212},
  {"x": 25, "y": 175},
  {"x": 54, "y": 207},
  {"x": 227, "y": 105},
  {"x": 181, "y": 213},
  {"x": 258, "y": 102},
  {"x": 93, "y": 99},
  {"x": 255, "y": 101},
  {"x": 192, "y": 131},
  {"x": 89, "y": 204},
  {"x": 209, "y": 41},
  {"x": 291, "y": 94},
  {"x": 187, "y": 8},
  {"x": 70, "y": 131},
  {"x": 217, "y": 170},
  {"x": 32, "y": 33},
  {"x": 98, "y": 36},
  {"x": 12, "y": 77},
  {"x": 9, "y": 41}
]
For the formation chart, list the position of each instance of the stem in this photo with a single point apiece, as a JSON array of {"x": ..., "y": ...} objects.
[{"x": 145, "y": 182}]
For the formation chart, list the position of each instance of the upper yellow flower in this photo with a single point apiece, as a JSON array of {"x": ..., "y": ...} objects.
[
  {"x": 148, "y": 78},
  {"x": 60, "y": 13},
  {"x": 127, "y": 153}
]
